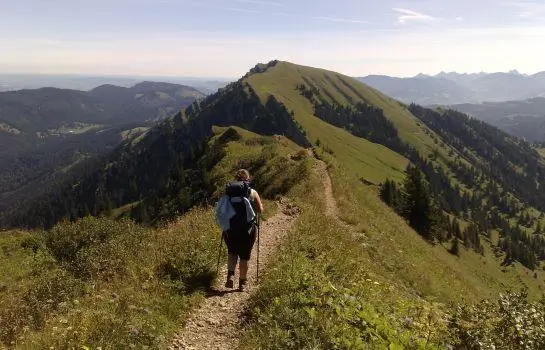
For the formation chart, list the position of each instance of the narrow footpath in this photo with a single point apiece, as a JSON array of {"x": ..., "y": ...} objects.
[
  {"x": 216, "y": 324},
  {"x": 331, "y": 208}
]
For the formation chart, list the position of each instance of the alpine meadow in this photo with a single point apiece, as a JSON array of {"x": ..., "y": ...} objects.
[{"x": 399, "y": 226}]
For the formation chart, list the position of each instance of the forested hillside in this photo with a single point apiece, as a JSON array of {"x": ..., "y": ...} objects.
[
  {"x": 479, "y": 179},
  {"x": 144, "y": 174},
  {"x": 431, "y": 207},
  {"x": 524, "y": 119},
  {"x": 47, "y": 110},
  {"x": 47, "y": 133},
  {"x": 473, "y": 171}
]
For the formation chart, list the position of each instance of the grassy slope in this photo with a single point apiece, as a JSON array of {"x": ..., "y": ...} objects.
[
  {"x": 282, "y": 79},
  {"x": 135, "y": 284},
  {"x": 396, "y": 250},
  {"x": 321, "y": 292},
  {"x": 370, "y": 161},
  {"x": 399, "y": 253}
]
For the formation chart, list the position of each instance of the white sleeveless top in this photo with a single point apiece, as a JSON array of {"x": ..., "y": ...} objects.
[{"x": 253, "y": 195}]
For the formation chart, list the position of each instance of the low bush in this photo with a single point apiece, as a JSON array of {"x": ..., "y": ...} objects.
[
  {"x": 511, "y": 322},
  {"x": 99, "y": 282}
]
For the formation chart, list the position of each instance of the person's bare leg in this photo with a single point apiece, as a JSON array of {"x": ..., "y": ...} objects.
[
  {"x": 243, "y": 268},
  {"x": 231, "y": 266},
  {"x": 232, "y": 262}
]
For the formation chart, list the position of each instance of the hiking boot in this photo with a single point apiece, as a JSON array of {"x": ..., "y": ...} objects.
[
  {"x": 230, "y": 283},
  {"x": 242, "y": 285}
]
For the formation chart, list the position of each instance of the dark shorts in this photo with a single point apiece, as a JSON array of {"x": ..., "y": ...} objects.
[{"x": 240, "y": 243}]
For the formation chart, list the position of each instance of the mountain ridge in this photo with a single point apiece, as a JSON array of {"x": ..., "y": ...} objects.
[
  {"x": 464, "y": 88},
  {"x": 434, "y": 208},
  {"x": 310, "y": 106},
  {"x": 523, "y": 119},
  {"x": 49, "y": 108}
]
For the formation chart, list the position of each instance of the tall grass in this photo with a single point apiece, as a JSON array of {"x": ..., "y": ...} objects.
[
  {"x": 113, "y": 284},
  {"x": 379, "y": 285},
  {"x": 320, "y": 294},
  {"x": 100, "y": 282}
]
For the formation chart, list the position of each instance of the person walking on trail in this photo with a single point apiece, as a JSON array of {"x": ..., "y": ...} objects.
[{"x": 241, "y": 233}]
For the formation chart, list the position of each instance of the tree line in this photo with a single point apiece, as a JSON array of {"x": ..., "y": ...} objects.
[
  {"x": 487, "y": 163},
  {"x": 157, "y": 175}
]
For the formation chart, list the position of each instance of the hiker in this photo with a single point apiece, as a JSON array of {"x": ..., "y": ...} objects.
[{"x": 237, "y": 218}]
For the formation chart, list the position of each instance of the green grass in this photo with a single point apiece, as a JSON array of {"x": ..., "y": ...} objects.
[
  {"x": 282, "y": 79},
  {"x": 321, "y": 293},
  {"x": 370, "y": 161},
  {"x": 378, "y": 285},
  {"x": 400, "y": 253},
  {"x": 100, "y": 282},
  {"x": 76, "y": 128}
]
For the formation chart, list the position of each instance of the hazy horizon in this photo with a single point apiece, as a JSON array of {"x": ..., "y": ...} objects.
[
  {"x": 225, "y": 78},
  {"x": 121, "y": 76},
  {"x": 224, "y": 38}
]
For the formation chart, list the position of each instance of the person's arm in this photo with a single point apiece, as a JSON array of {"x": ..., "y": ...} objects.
[{"x": 259, "y": 205}]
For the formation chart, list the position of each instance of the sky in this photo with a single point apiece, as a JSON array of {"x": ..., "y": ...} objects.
[{"x": 225, "y": 38}]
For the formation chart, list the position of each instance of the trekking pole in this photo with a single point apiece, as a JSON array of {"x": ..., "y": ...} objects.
[
  {"x": 219, "y": 255},
  {"x": 257, "y": 271}
]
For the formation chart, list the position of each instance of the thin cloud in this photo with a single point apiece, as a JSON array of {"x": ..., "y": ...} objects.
[
  {"x": 407, "y": 15},
  {"x": 342, "y": 20},
  {"x": 221, "y": 8},
  {"x": 258, "y": 2},
  {"x": 237, "y": 9},
  {"x": 528, "y": 9},
  {"x": 320, "y": 18},
  {"x": 49, "y": 42},
  {"x": 280, "y": 14}
]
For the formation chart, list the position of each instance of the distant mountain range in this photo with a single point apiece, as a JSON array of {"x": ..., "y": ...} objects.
[
  {"x": 46, "y": 132},
  {"x": 454, "y": 88},
  {"x": 524, "y": 119},
  {"x": 45, "y": 109},
  {"x": 13, "y": 82}
]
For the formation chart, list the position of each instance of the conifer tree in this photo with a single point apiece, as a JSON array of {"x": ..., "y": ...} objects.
[{"x": 417, "y": 207}]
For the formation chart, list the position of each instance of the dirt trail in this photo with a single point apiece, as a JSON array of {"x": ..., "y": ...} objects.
[
  {"x": 330, "y": 204},
  {"x": 216, "y": 324},
  {"x": 331, "y": 208}
]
